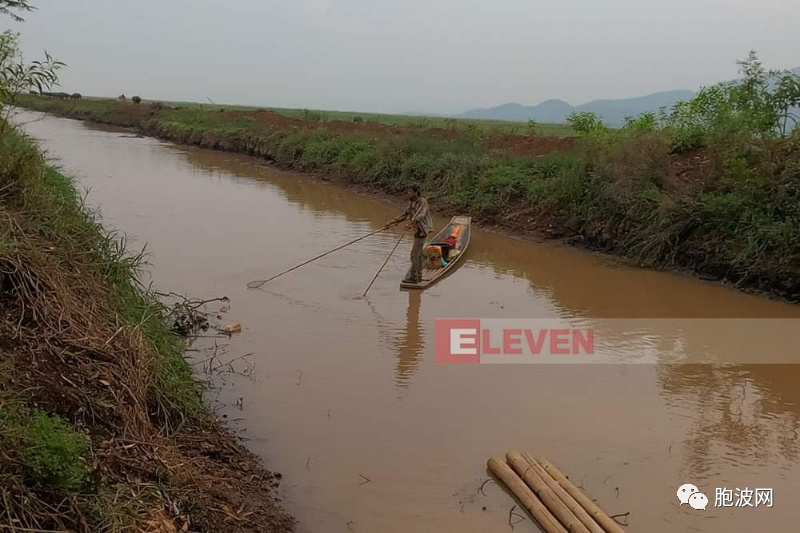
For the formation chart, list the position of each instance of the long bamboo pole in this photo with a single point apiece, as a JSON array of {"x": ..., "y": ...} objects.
[
  {"x": 524, "y": 494},
  {"x": 599, "y": 516},
  {"x": 545, "y": 493},
  {"x": 569, "y": 501},
  {"x": 258, "y": 283}
]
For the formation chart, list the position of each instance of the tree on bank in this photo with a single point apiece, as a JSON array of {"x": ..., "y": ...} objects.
[
  {"x": 761, "y": 104},
  {"x": 17, "y": 75},
  {"x": 12, "y": 7}
]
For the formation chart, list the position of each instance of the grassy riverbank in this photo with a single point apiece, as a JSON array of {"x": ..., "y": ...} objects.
[
  {"x": 102, "y": 426},
  {"x": 719, "y": 201}
]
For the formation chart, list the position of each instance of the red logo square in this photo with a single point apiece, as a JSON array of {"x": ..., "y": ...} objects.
[{"x": 458, "y": 341}]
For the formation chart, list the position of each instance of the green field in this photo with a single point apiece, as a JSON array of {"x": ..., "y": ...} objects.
[{"x": 490, "y": 127}]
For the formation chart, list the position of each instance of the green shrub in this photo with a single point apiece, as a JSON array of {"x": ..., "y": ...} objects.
[
  {"x": 54, "y": 453},
  {"x": 644, "y": 123},
  {"x": 474, "y": 133},
  {"x": 315, "y": 116},
  {"x": 504, "y": 178},
  {"x": 586, "y": 123}
]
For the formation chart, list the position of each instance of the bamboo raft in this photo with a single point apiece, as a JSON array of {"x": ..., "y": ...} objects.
[{"x": 554, "y": 502}]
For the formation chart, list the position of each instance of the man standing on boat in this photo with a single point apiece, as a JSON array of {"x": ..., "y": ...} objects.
[{"x": 419, "y": 218}]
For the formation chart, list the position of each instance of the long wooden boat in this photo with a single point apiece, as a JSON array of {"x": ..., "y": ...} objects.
[{"x": 453, "y": 241}]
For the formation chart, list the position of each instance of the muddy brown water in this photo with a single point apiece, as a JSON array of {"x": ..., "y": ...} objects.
[{"x": 346, "y": 390}]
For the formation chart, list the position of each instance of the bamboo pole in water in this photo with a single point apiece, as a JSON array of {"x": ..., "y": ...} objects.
[
  {"x": 545, "y": 493},
  {"x": 599, "y": 516},
  {"x": 526, "y": 497},
  {"x": 384, "y": 263},
  {"x": 569, "y": 501}
]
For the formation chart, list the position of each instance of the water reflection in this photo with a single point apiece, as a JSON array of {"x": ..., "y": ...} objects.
[
  {"x": 409, "y": 343},
  {"x": 740, "y": 415},
  {"x": 303, "y": 191}
]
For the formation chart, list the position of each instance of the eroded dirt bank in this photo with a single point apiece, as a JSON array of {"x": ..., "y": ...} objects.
[{"x": 102, "y": 426}]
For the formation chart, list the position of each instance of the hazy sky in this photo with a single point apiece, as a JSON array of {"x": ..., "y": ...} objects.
[{"x": 405, "y": 55}]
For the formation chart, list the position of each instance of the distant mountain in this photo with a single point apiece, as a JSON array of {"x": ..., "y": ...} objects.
[
  {"x": 423, "y": 114},
  {"x": 613, "y": 112},
  {"x": 549, "y": 111}
]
